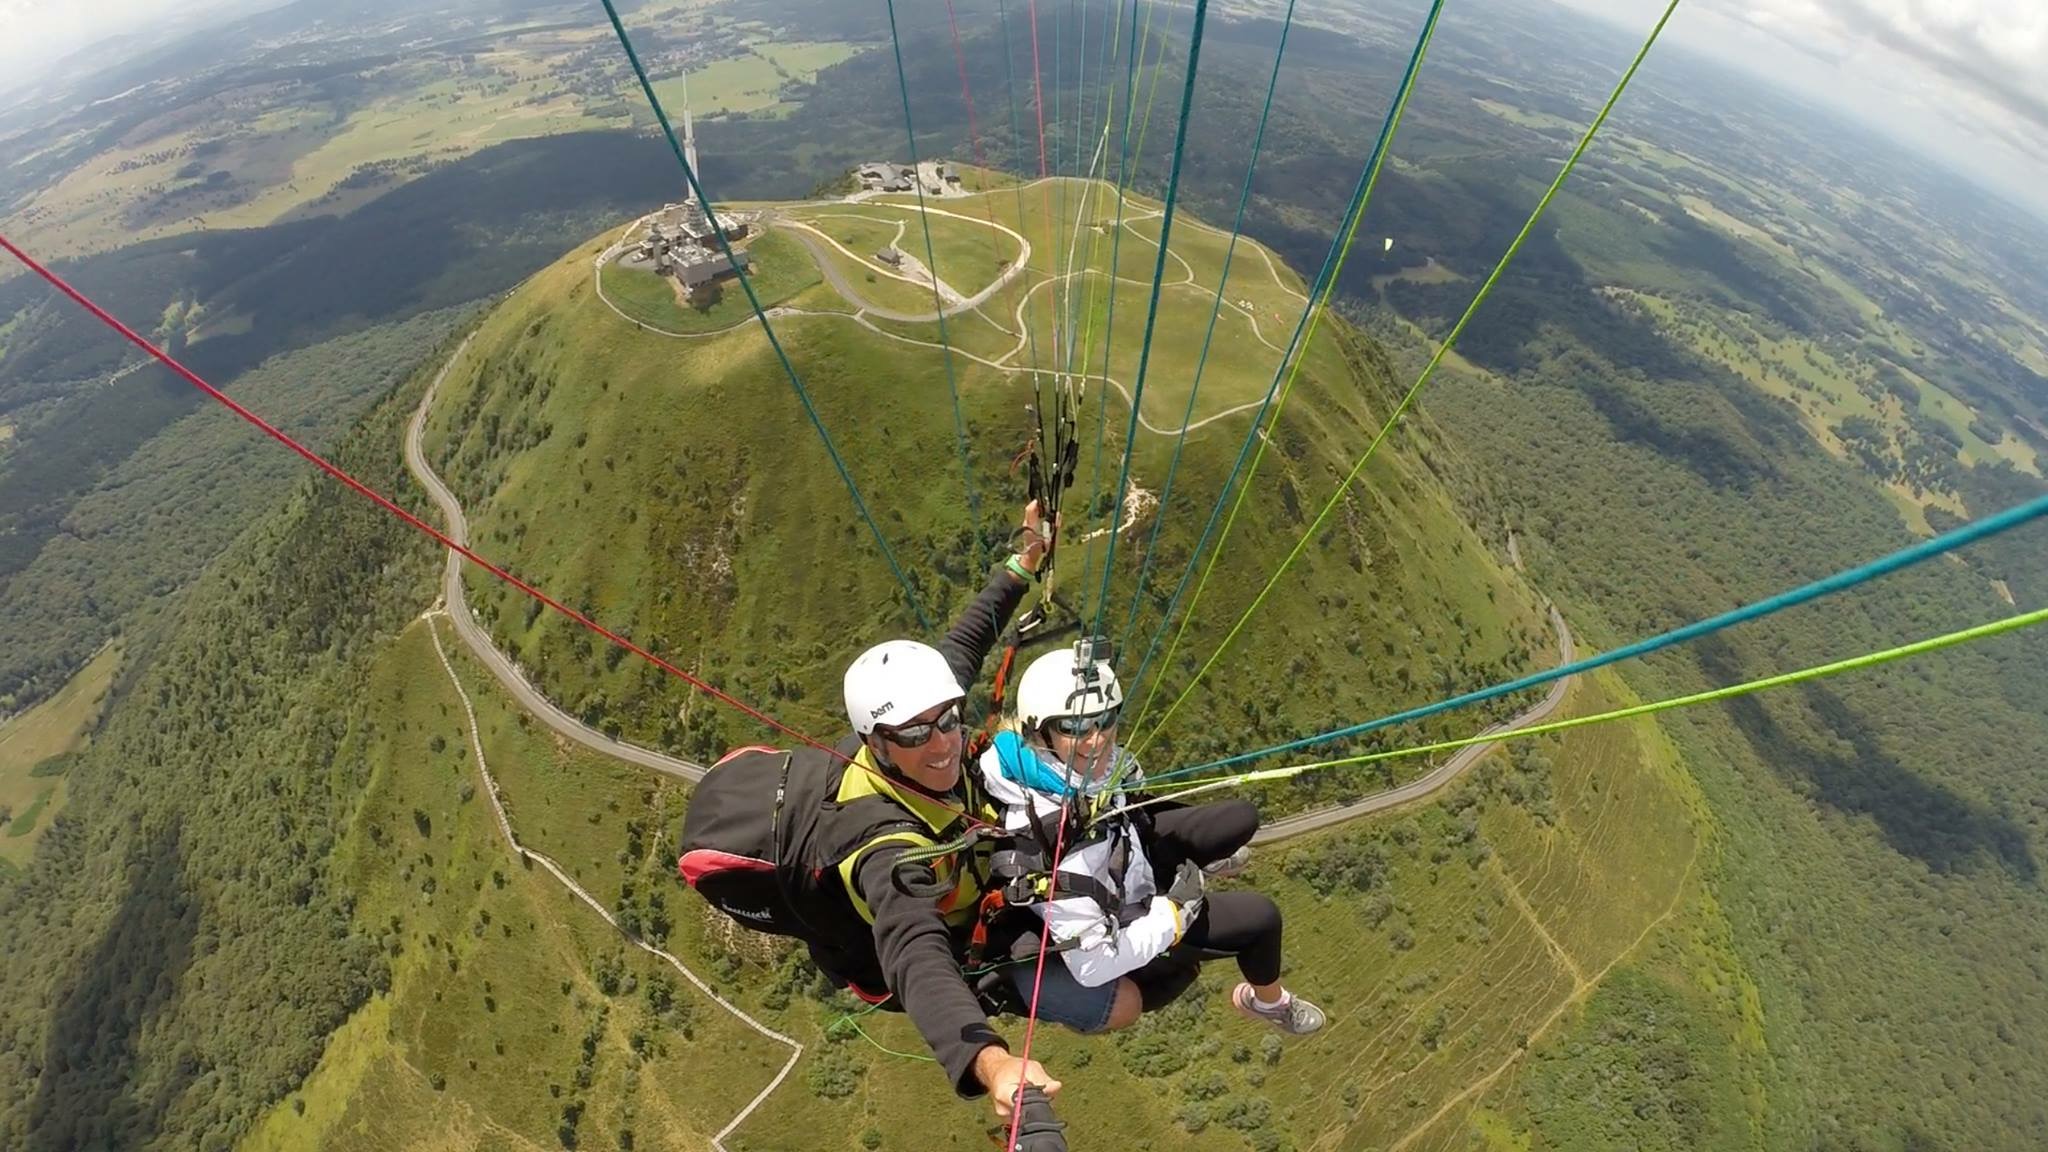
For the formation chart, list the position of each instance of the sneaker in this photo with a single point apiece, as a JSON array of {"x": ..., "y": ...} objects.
[
  {"x": 1294, "y": 1016},
  {"x": 1230, "y": 865}
]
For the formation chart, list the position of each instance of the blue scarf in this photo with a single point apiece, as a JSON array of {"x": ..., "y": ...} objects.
[{"x": 1028, "y": 768}]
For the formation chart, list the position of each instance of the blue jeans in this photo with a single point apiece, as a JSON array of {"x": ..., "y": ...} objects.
[{"x": 1061, "y": 998}]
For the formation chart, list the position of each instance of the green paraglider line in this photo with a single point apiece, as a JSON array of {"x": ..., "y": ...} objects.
[
  {"x": 1180, "y": 143},
  {"x": 1123, "y": 172},
  {"x": 1312, "y": 312},
  {"x": 852, "y": 1021},
  {"x": 1016, "y": 142},
  {"x": 1244, "y": 199},
  {"x": 938, "y": 305},
  {"x": 747, "y": 285},
  {"x": 1819, "y": 671},
  {"x": 1848, "y": 578},
  {"x": 1450, "y": 341}
]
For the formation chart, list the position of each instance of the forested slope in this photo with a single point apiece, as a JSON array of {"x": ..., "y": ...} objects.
[{"x": 179, "y": 948}]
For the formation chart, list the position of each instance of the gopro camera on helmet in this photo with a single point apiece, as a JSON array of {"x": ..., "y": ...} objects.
[{"x": 1091, "y": 653}]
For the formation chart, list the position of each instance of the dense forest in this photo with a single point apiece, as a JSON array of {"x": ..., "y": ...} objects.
[
  {"x": 147, "y": 527},
  {"x": 179, "y": 951},
  {"x": 1903, "y": 804}
]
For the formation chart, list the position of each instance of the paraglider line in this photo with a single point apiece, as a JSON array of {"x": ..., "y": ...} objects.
[
  {"x": 747, "y": 285},
  {"x": 1450, "y": 341},
  {"x": 1202, "y": 362},
  {"x": 1854, "y": 663},
  {"x": 1059, "y": 848},
  {"x": 1906, "y": 557},
  {"x": 1180, "y": 142},
  {"x": 1152, "y": 85},
  {"x": 1016, "y": 134},
  {"x": 1123, "y": 173},
  {"x": 939, "y": 305},
  {"x": 385, "y": 502},
  {"x": 1304, "y": 331}
]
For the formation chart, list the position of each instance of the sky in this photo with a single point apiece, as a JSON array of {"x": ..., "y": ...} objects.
[
  {"x": 37, "y": 33},
  {"x": 1964, "y": 80}
]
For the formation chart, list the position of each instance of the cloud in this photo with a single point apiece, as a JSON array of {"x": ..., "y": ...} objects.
[
  {"x": 1993, "y": 50},
  {"x": 1964, "y": 82},
  {"x": 36, "y": 34}
]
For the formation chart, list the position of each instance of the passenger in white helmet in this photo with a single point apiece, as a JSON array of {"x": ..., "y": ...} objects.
[{"x": 1128, "y": 914}]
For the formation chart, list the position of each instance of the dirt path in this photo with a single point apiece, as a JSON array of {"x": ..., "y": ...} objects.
[{"x": 796, "y": 1049}]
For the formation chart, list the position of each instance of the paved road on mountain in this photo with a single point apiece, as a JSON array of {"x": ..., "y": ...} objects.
[
  {"x": 1444, "y": 773},
  {"x": 479, "y": 642},
  {"x": 543, "y": 709}
]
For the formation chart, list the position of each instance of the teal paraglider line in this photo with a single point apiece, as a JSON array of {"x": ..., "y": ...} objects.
[
  {"x": 1180, "y": 143},
  {"x": 1216, "y": 310},
  {"x": 938, "y": 305},
  {"x": 1861, "y": 574},
  {"x": 747, "y": 285},
  {"x": 1330, "y": 259}
]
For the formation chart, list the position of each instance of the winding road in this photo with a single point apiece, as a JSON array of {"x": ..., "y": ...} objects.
[
  {"x": 543, "y": 709},
  {"x": 866, "y": 311},
  {"x": 828, "y": 267},
  {"x": 479, "y": 641},
  {"x": 1444, "y": 773},
  {"x": 483, "y": 767}
]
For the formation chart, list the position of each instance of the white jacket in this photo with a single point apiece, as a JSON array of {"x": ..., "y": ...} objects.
[{"x": 1104, "y": 949}]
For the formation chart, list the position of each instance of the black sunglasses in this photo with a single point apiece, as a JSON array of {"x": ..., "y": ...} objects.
[
  {"x": 1082, "y": 725},
  {"x": 918, "y": 735}
]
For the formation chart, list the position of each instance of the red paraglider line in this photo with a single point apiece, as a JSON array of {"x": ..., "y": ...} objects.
[
  {"x": 386, "y": 503},
  {"x": 441, "y": 538},
  {"x": 1059, "y": 849},
  {"x": 988, "y": 203},
  {"x": 1051, "y": 223}
]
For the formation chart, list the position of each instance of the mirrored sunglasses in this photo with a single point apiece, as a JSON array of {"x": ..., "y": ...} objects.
[{"x": 917, "y": 735}]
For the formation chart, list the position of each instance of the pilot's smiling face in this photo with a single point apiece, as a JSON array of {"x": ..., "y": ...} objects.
[{"x": 933, "y": 764}]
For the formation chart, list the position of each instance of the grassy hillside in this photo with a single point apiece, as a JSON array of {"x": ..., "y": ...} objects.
[
  {"x": 514, "y": 1013},
  {"x": 1563, "y": 881},
  {"x": 674, "y": 488},
  {"x": 35, "y": 749},
  {"x": 1565, "y": 885}
]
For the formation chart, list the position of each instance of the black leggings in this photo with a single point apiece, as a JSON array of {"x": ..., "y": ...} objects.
[
  {"x": 1203, "y": 833},
  {"x": 1240, "y": 924}
]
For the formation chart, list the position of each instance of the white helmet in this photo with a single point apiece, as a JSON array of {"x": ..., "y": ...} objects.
[
  {"x": 1049, "y": 690},
  {"x": 896, "y": 680}
]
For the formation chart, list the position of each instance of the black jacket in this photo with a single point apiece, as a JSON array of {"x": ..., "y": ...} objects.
[{"x": 918, "y": 950}]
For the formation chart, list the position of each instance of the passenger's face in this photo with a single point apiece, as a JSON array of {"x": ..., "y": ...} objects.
[{"x": 1087, "y": 754}]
